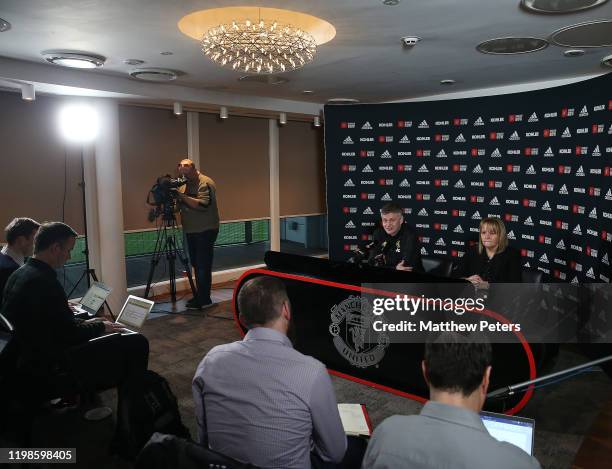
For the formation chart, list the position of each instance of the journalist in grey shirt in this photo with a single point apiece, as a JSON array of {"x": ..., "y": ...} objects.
[
  {"x": 260, "y": 401},
  {"x": 442, "y": 436}
]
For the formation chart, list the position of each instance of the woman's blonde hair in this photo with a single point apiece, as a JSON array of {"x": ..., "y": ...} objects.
[{"x": 499, "y": 228}]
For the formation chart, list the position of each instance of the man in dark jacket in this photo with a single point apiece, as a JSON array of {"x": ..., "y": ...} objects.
[
  {"x": 19, "y": 234},
  {"x": 395, "y": 244}
]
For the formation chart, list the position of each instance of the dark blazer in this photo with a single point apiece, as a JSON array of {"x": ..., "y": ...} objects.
[
  {"x": 403, "y": 246},
  {"x": 7, "y": 267},
  {"x": 503, "y": 267},
  {"x": 45, "y": 327}
]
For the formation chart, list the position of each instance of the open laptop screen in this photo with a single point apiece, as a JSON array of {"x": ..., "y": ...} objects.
[
  {"x": 518, "y": 431},
  {"x": 95, "y": 297},
  {"x": 134, "y": 311}
]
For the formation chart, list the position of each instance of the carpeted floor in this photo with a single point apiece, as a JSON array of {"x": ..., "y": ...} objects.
[{"x": 563, "y": 412}]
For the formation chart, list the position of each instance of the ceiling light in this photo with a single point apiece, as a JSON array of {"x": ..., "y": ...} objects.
[
  {"x": 133, "y": 62},
  {"x": 447, "y": 82},
  {"x": 4, "y": 25},
  {"x": 316, "y": 121},
  {"x": 307, "y": 92},
  {"x": 177, "y": 108},
  {"x": 410, "y": 41},
  {"x": 573, "y": 53},
  {"x": 596, "y": 33},
  {"x": 167, "y": 52},
  {"x": 223, "y": 113},
  {"x": 607, "y": 61},
  {"x": 282, "y": 119},
  {"x": 390, "y": 3},
  {"x": 559, "y": 6},
  {"x": 342, "y": 101},
  {"x": 27, "y": 92},
  {"x": 158, "y": 75},
  {"x": 512, "y": 45},
  {"x": 73, "y": 59}
]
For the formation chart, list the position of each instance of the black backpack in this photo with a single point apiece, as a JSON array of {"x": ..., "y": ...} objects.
[{"x": 146, "y": 405}]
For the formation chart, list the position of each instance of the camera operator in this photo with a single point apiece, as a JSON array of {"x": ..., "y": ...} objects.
[
  {"x": 200, "y": 219},
  {"x": 394, "y": 244}
]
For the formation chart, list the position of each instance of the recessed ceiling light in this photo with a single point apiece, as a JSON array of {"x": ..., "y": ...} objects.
[
  {"x": 573, "y": 53},
  {"x": 316, "y": 121},
  {"x": 447, "y": 82},
  {"x": 512, "y": 45},
  {"x": 390, "y": 3},
  {"x": 133, "y": 62},
  {"x": 607, "y": 61},
  {"x": 596, "y": 33},
  {"x": 73, "y": 59},
  {"x": 4, "y": 25},
  {"x": 559, "y": 6},
  {"x": 307, "y": 92},
  {"x": 158, "y": 75},
  {"x": 342, "y": 101},
  {"x": 167, "y": 52}
]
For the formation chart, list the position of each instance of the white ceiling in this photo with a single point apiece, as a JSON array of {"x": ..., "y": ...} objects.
[{"x": 365, "y": 60}]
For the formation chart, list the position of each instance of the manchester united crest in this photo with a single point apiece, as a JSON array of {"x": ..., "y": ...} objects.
[{"x": 354, "y": 337}]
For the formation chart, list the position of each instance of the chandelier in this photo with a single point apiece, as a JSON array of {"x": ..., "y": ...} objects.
[{"x": 259, "y": 47}]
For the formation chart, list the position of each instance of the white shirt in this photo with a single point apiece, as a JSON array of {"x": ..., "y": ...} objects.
[{"x": 16, "y": 256}]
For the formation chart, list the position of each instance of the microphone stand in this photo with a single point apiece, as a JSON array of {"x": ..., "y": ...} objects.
[{"x": 507, "y": 391}]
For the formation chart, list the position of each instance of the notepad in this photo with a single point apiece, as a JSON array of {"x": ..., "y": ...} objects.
[{"x": 355, "y": 419}]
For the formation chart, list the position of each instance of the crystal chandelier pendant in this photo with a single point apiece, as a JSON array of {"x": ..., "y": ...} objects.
[{"x": 259, "y": 47}]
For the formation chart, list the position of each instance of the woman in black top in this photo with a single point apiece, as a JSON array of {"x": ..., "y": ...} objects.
[{"x": 492, "y": 260}]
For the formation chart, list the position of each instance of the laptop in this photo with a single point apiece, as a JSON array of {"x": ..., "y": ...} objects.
[
  {"x": 93, "y": 299},
  {"x": 519, "y": 431},
  {"x": 134, "y": 313}
]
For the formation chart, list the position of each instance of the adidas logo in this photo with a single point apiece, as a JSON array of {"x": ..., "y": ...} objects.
[
  {"x": 590, "y": 273},
  {"x": 496, "y": 153},
  {"x": 546, "y": 206},
  {"x": 577, "y": 230},
  {"x": 479, "y": 121},
  {"x": 575, "y": 281},
  {"x": 533, "y": 118},
  {"x": 544, "y": 258},
  {"x": 460, "y": 138},
  {"x": 424, "y": 252},
  {"x": 515, "y": 136},
  {"x": 580, "y": 171},
  {"x": 405, "y": 139},
  {"x": 441, "y": 154},
  {"x": 349, "y": 183},
  {"x": 350, "y": 224},
  {"x": 477, "y": 169},
  {"x": 610, "y": 130},
  {"x": 386, "y": 197},
  {"x": 563, "y": 189},
  {"x": 458, "y": 229},
  {"x": 566, "y": 133},
  {"x": 605, "y": 260},
  {"x": 367, "y": 169},
  {"x": 530, "y": 170},
  {"x": 528, "y": 221},
  {"x": 441, "y": 198},
  {"x": 494, "y": 201},
  {"x": 348, "y": 140},
  {"x": 609, "y": 194},
  {"x": 511, "y": 235},
  {"x": 527, "y": 265},
  {"x": 593, "y": 213},
  {"x": 423, "y": 169},
  {"x": 476, "y": 215},
  {"x": 422, "y": 213},
  {"x": 385, "y": 154},
  {"x": 549, "y": 152},
  {"x": 440, "y": 242},
  {"x": 596, "y": 151},
  {"x": 583, "y": 112},
  {"x": 423, "y": 125},
  {"x": 561, "y": 245},
  {"x": 366, "y": 126},
  {"x": 368, "y": 211},
  {"x": 512, "y": 186},
  {"x": 404, "y": 183},
  {"x": 459, "y": 184}
]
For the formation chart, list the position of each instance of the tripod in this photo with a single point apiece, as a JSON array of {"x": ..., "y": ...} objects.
[{"x": 166, "y": 245}]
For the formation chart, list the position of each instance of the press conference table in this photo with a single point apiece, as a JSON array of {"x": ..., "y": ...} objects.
[{"x": 324, "y": 297}]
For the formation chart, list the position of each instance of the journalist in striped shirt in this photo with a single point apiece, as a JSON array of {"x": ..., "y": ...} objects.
[{"x": 259, "y": 400}]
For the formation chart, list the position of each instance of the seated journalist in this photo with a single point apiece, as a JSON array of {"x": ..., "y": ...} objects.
[{"x": 491, "y": 260}]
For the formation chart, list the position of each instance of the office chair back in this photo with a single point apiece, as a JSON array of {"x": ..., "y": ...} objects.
[{"x": 437, "y": 266}]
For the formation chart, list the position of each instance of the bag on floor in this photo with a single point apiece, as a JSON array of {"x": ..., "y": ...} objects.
[{"x": 146, "y": 405}]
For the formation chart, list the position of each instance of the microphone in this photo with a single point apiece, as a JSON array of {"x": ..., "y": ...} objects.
[{"x": 501, "y": 392}]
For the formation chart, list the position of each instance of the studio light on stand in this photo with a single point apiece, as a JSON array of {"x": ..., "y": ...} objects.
[{"x": 79, "y": 125}]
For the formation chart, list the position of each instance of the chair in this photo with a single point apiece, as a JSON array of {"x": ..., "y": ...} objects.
[
  {"x": 437, "y": 266},
  {"x": 531, "y": 276},
  {"x": 171, "y": 452}
]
